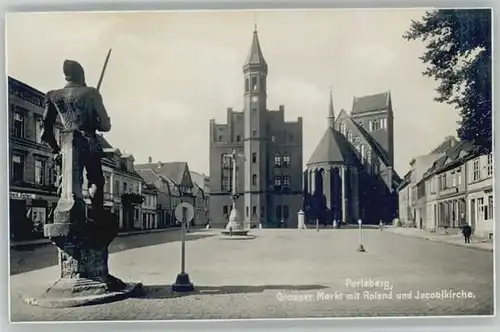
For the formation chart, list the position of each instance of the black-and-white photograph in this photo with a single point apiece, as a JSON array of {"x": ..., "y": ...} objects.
[{"x": 251, "y": 164}]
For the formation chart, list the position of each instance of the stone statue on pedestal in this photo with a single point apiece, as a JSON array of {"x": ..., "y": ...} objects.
[{"x": 82, "y": 240}]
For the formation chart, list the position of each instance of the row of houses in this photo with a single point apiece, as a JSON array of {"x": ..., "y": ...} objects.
[
  {"x": 450, "y": 187},
  {"x": 131, "y": 191}
]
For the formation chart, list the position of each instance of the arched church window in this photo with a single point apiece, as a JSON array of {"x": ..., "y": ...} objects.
[
  {"x": 254, "y": 179},
  {"x": 247, "y": 85},
  {"x": 370, "y": 125},
  {"x": 383, "y": 123},
  {"x": 375, "y": 125},
  {"x": 342, "y": 128},
  {"x": 262, "y": 83},
  {"x": 349, "y": 135},
  {"x": 369, "y": 156},
  {"x": 376, "y": 167},
  {"x": 277, "y": 160}
]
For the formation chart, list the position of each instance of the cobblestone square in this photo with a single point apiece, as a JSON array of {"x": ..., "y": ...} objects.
[{"x": 285, "y": 273}]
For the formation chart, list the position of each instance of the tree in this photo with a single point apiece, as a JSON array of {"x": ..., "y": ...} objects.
[{"x": 458, "y": 55}]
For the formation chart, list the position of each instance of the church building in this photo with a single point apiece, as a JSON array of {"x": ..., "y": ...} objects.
[
  {"x": 350, "y": 175},
  {"x": 269, "y": 156}
]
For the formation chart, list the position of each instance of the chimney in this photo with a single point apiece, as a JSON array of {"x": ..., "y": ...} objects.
[
  {"x": 159, "y": 164},
  {"x": 150, "y": 160}
]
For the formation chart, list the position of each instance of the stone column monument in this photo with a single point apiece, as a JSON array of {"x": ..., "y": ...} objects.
[
  {"x": 235, "y": 222},
  {"x": 82, "y": 241}
]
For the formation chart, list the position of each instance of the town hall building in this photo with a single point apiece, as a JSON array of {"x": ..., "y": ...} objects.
[
  {"x": 269, "y": 149},
  {"x": 350, "y": 175}
]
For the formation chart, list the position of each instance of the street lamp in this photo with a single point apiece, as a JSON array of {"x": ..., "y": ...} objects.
[{"x": 360, "y": 246}]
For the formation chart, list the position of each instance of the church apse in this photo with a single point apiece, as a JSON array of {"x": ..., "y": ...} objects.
[{"x": 348, "y": 176}]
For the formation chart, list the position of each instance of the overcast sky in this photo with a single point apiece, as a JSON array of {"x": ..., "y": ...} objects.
[{"x": 170, "y": 72}]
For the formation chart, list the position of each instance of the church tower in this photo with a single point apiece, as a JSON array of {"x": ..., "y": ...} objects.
[{"x": 255, "y": 135}]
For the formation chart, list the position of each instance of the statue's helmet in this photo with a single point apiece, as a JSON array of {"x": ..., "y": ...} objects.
[{"x": 73, "y": 72}]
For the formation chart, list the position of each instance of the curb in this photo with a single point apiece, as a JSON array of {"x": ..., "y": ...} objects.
[
  {"x": 445, "y": 242},
  {"x": 45, "y": 240}
]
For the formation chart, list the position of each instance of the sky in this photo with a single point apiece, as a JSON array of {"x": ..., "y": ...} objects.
[{"x": 171, "y": 72}]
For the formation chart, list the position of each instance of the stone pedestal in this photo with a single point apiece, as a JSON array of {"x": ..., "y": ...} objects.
[
  {"x": 235, "y": 223},
  {"x": 82, "y": 243},
  {"x": 83, "y": 261}
]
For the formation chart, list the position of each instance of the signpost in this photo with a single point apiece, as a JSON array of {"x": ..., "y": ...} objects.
[
  {"x": 184, "y": 213},
  {"x": 360, "y": 247}
]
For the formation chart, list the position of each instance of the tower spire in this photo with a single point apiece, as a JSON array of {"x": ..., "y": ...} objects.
[
  {"x": 331, "y": 114},
  {"x": 255, "y": 57}
]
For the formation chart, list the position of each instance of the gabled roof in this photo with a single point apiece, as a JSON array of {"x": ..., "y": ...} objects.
[
  {"x": 175, "y": 171},
  {"x": 333, "y": 148},
  {"x": 201, "y": 180},
  {"x": 147, "y": 175},
  {"x": 370, "y": 103},
  {"x": 448, "y": 143},
  {"x": 452, "y": 155},
  {"x": 255, "y": 56}
]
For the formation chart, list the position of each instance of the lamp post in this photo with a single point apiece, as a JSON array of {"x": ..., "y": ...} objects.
[{"x": 360, "y": 246}]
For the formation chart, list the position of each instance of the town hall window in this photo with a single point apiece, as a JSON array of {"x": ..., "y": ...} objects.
[
  {"x": 226, "y": 167},
  {"x": 254, "y": 157},
  {"x": 286, "y": 160},
  {"x": 254, "y": 179},
  {"x": 254, "y": 83},
  {"x": 277, "y": 160},
  {"x": 277, "y": 181},
  {"x": 286, "y": 180}
]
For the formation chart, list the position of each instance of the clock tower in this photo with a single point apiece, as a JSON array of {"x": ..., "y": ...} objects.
[{"x": 255, "y": 136}]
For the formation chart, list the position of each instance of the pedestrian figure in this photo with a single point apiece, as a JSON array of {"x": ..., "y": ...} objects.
[
  {"x": 381, "y": 225},
  {"x": 334, "y": 224},
  {"x": 230, "y": 231},
  {"x": 467, "y": 231}
]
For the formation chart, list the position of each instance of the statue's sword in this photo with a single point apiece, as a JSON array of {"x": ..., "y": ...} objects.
[{"x": 103, "y": 70}]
